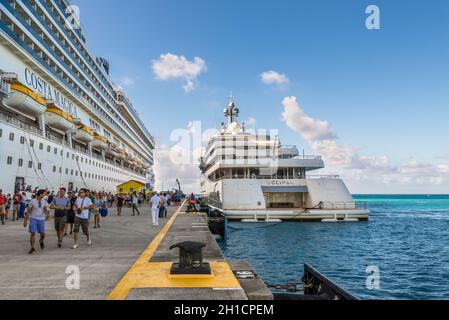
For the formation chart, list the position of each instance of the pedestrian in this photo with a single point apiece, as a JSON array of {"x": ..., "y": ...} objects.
[
  {"x": 24, "y": 205},
  {"x": 8, "y": 205},
  {"x": 120, "y": 201},
  {"x": 16, "y": 203},
  {"x": 70, "y": 213},
  {"x": 192, "y": 202},
  {"x": 82, "y": 207},
  {"x": 162, "y": 206},
  {"x": 3, "y": 201},
  {"x": 61, "y": 205},
  {"x": 154, "y": 201},
  {"x": 37, "y": 213},
  {"x": 135, "y": 202},
  {"x": 98, "y": 204}
]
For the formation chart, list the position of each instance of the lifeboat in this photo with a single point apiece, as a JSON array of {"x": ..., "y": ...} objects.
[
  {"x": 57, "y": 119},
  {"x": 121, "y": 152},
  {"x": 111, "y": 150},
  {"x": 25, "y": 101},
  {"x": 99, "y": 141},
  {"x": 83, "y": 134}
]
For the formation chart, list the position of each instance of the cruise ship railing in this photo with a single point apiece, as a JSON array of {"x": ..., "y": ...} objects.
[
  {"x": 106, "y": 85},
  {"x": 43, "y": 63},
  {"x": 17, "y": 123},
  {"x": 54, "y": 138},
  {"x": 4, "y": 87},
  {"x": 39, "y": 18}
]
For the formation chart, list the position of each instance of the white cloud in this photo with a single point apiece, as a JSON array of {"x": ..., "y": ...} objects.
[
  {"x": 168, "y": 167},
  {"x": 170, "y": 66},
  {"x": 250, "y": 122},
  {"x": 372, "y": 170},
  {"x": 273, "y": 77},
  {"x": 309, "y": 128}
]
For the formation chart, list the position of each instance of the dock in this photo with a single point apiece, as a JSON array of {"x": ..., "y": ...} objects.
[
  {"x": 149, "y": 277},
  {"x": 128, "y": 260}
]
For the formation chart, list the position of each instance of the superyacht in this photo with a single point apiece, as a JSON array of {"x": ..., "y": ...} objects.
[{"x": 252, "y": 176}]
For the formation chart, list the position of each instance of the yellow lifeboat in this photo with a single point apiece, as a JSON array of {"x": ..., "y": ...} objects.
[
  {"x": 99, "y": 141},
  {"x": 111, "y": 150},
  {"x": 83, "y": 134},
  {"x": 122, "y": 153},
  {"x": 57, "y": 119},
  {"x": 25, "y": 101}
]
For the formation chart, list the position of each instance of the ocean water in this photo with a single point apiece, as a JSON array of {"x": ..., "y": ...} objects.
[{"x": 407, "y": 238}]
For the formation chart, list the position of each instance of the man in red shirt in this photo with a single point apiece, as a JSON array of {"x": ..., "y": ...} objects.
[
  {"x": 3, "y": 201},
  {"x": 16, "y": 202}
]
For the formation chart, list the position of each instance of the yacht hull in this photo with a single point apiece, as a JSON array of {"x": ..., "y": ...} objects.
[{"x": 299, "y": 215}]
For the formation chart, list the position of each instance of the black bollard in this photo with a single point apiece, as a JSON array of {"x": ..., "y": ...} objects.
[{"x": 190, "y": 259}]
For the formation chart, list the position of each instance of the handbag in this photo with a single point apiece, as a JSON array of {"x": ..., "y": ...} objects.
[{"x": 103, "y": 212}]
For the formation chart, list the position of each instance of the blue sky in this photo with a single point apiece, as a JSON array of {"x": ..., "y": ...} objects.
[{"x": 383, "y": 92}]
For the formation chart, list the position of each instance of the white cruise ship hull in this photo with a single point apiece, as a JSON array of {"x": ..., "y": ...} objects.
[{"x": 47, "y": 169}]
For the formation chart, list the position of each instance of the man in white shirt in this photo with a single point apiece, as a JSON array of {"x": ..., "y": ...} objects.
[
  {"x": 82, "y": 206},
  {"x": 38, "y": 210},
  {"x": 155, "y": 199}
]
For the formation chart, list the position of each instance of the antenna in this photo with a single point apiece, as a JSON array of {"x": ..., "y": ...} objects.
[
  {"x": 231, "y": 112},
  {"x": 231, "y": 97}
]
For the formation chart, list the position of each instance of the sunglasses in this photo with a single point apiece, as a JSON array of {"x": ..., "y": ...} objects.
[{"x": 40, "y": 204}]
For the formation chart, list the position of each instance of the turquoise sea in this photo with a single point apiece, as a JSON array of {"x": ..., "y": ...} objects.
[{"x": 407, "y": 238}]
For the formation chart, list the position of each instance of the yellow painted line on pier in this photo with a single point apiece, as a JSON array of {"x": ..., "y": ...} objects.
[{"x": 144, "y": 274}]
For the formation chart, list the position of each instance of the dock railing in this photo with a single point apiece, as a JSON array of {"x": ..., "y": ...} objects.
[
  {"x": 323, "y": 177},
  {"x": 345, "y": 205}
]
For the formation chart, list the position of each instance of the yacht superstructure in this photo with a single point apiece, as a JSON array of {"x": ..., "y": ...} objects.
[
  {"x": 251, "y": 175},
  {"x": 62, "y": 120}
]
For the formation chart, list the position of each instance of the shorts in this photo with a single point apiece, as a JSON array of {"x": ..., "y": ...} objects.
[
  {"x": 36, "y": 226},
  {"x": 70, "y": 217},
  {"x": 16, "y": 207},
  {"x": 60, "y": 223},
  {"x": 84, "y": 223},
  {"x": 2, "y": 209}
]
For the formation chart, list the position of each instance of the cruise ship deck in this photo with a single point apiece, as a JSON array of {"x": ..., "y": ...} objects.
[{"x": 62, "y": 119}]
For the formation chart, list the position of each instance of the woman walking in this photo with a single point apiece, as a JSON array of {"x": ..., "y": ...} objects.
[
  {"x": 135, "y": 202},
  {"x": 120, "y": 201},
  {"x": 98, "y": 204},
  {"x": 70, "y": 213}
]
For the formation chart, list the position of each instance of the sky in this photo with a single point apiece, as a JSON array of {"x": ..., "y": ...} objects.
[{"x": 373, "y": 102}]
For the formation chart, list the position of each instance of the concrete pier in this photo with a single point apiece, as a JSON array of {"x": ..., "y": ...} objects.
[
  {"x": 149, "y": 278},
  {"x": 129, "y": 259},
  {"x": 41, "y": 276}
]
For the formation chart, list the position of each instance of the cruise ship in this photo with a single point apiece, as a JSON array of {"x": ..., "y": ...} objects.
[
  {"x": 63, "y": 122},
  {"x": 251, "y": 176}
]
